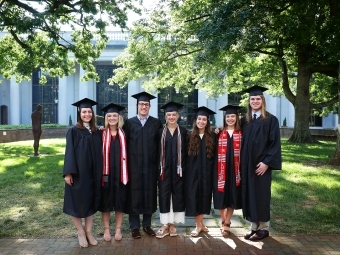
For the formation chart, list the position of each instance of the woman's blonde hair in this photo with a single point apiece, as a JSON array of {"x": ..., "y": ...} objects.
[
  {"x": 166, "y": 122},
  {"x": 120, "y": 121},
  {"x": 264, "y": 113}
]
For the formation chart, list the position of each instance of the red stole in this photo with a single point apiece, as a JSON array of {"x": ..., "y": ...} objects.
[{"x": 221, "y": 160}]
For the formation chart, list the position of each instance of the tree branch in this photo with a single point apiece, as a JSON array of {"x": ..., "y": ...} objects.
[
  {"x": 324, "y": 104},
  {"x": 198, "y": 18},
  {"x": 264, "y": 51},
  {"x": 25, "y": 7},
  {"x": 329, "y": 70},
  {"x": 16, "y": 38},
  {"x": 285, "y": 82}
]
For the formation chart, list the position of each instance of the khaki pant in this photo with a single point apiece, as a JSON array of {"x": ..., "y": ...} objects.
[{"x": 259, "y": 225}]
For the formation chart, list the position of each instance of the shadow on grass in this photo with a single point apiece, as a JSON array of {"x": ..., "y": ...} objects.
[
  {"x": 307, "y": 154},
  {"x": 300, "y": 203}
]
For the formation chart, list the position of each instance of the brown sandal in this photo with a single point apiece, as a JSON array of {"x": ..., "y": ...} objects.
[
  {"x": 224, "y": 231},
  {"x": 222, "y": 225}
]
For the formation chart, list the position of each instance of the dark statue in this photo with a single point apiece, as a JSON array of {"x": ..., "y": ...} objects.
[{"x": 36, "y": 128}]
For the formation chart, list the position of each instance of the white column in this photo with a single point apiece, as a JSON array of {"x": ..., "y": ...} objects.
[
  {"x": 154, "y": 107},
  {"x": 14, "y": 103},
  {"x": 63, "y": 114},
  {"x": 83, "y": 86},
  {"x": 202, "y": 98},
  {"x": 133, "y": 88},
  {"x": 221, "y": 102}
]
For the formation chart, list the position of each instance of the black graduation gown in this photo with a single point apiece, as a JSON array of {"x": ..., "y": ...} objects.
[
  {"x": 143, "y": 164},
  {"x": 113, "y": 197},
  {"x": 83, "y": 159},
  {"x": 231, "y": 197},
  {"x": 172, "y": 185},
  {"x": 198, "y": 181},
  {"x": 260, "y": 143}
]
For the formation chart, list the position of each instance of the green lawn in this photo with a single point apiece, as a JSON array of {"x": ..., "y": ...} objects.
[{"x": 305, "y": 195}]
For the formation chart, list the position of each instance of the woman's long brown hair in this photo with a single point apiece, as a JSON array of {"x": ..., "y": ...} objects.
[
  {"x": 92, "y": 123},
  {"x": 194, "y": 141}
]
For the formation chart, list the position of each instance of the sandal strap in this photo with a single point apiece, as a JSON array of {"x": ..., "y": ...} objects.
[{"x": 227, "y": 224}]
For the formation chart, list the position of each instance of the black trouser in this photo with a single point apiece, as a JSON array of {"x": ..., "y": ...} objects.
[{"x": 134, "y": 221}]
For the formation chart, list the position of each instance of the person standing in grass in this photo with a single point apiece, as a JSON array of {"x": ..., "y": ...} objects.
[
  {"x": 115, "y": 170},
  {"x": 200, "y": 165},
  {"x": 171, "y": 171},
  {"x": 83, "y": 171},
  {"x": 260, "y": 154},
  {"x": 227, "y": 175}
]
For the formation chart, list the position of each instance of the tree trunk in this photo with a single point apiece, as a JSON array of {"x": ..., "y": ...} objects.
[
  {"x": 335, "y": 158},
  {"x": 301, "y": 133}
]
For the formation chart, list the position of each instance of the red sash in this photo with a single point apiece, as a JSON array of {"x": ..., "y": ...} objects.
[{"x": 221, "y": 161}]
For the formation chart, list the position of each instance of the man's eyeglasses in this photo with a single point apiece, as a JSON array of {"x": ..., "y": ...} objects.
[{"x": 144, "y": 104}]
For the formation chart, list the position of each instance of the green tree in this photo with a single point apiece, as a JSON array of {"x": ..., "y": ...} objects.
[
  {"x": 33, "y": 35},
  {"x": 224, "y": 46}
]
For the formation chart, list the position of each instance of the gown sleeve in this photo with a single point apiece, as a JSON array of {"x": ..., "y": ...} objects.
[
  {"x": 273, "y": 156},
  {"x": 70, "y": 165}
]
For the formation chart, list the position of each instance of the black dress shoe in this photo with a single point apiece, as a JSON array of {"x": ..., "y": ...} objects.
[
  {"x": 149, "y": 231},
  {"x": 135, "y": 234},
  {"x": 259, "y": 235},
  {"x": 249, "y": 234}
]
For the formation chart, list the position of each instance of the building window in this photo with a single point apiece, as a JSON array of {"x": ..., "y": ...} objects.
[
  {"x": 47, "y": 96},
  {"x": 187, "y": 114},
  {"x": 314, "y": 119},
  {"x": 234, "y": 99},
  {"x": 109, "y": 93}
]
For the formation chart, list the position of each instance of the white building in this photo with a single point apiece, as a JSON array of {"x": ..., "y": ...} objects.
[{"x": 18, "y": 101}]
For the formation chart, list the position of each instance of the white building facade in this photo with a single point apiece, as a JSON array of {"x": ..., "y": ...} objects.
[{"x": 18, "y": 101}]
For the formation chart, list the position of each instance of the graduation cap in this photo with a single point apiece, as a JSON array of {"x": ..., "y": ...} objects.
[
  {"x": 204, "y": 111},
  {"x": 112, "y": 108},
  {"x": 172, "y": 107},
  {"x": 255, "y": 90},
  {"x": 85, "y": 103},
  {"x": 231, "y": 109},
  {"x": 143, "y": 96}
]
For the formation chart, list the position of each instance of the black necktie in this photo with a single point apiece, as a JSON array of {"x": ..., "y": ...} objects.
[{"x": 254, "y": 116}]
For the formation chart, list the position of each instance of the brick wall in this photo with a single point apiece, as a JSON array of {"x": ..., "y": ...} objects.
[
  {"x": 26, "y": 134},
  {"x": 10, "y": 135},
  {"x": 319, "y": 134}
]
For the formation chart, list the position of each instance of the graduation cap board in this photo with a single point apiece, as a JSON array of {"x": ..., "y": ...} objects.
[
  {"x": 205, "y": 111},
  {"x": 172, "y": 107},
  {"x": 255, "y": 90},
  {"x": 85, "y": 103},
  {"x": 231, "y": 109},
  {"x": 143, "y": 96},
  {"x": 112, "y": 108}
]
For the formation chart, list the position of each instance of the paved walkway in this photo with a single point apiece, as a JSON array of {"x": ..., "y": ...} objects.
[{"x": 207, "y": 243}]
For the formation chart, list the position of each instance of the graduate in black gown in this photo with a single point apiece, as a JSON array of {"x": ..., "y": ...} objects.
[
  {"x": 260, "y": 154},
  {"x": 115, "y": 170},
  {"x": 82, "y": 171},
  {"x": 199, "y": 171},
  {"x": 227, "y": 176},
  {"x": 143, "y": 150},
  {"x": 171, "y": 171}
]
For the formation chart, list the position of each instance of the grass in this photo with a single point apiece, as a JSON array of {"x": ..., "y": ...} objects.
[{"x": 305, "y": 194}]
